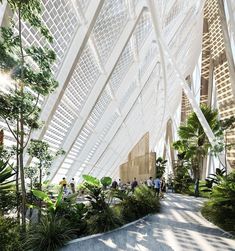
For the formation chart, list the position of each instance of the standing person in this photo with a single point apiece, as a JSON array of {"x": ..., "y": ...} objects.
[
  {"x": 157, "y": 185},
  {"x": 163, "y": 185},
  {"x": 114, "y": 184},
  {"x": 150, "y": 182},
  {"x": 120, "y": 185},
  {"x": 134, "y": 184},
  {"x": 72, "y": 185},
  {"x": 196, "y": 188},
  {"x": 63, "y": 183}
]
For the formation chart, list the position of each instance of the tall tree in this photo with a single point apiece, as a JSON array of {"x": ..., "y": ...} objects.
[{"x": 30, "y": 68}]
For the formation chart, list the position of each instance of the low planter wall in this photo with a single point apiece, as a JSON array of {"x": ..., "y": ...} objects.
[{"x": 105, "y": 241}]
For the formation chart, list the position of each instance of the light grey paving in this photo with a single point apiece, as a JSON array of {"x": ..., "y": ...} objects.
[{"x": 179, "y": 226}]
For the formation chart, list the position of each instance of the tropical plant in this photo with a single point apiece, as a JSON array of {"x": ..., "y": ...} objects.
[
  {"x": 74, "y": 213},
  {"x": 9, "y": 237},
  {"x": 160, "y": 166},
  {"x": 194, "y": 145},
  {"x": 32, "y": 77},
  {"x": 51, "y": 205},
  {"x": 182, "y": 178},
  {"x": 7, "y": 195},
  {"x": 139, "y": 204},
  {"x": 213, "y": 179},
  {"x": 6, "y": 173},
  {"x": 101, "y": 217},
  {"x": 49, "y": 235},
  {"x": 220, "y": 209}
]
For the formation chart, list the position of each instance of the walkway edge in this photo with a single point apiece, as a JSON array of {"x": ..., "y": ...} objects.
[
  {"x": 222, "y": 230},
  {"x": 102, "y": 234}
]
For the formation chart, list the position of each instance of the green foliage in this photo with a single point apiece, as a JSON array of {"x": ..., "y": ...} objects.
[
  {"x": 220, "y": 209},
  {"x": 144, "y": 201},
  {"x": 160, "y": 166},
  {"x": 106, "y": 181},
  {"x": 91, "y": 180},
  {"x": 182, "y": 179},
  {"x": 51, "y": 206},
  {"x": 74, "y": 213},
  {"x": 213, "y": 179},
  {"x": 7, "y": 202},
  {"x": 6, "y": 173},
  {"x": 49, "y": 235},
  {"x": 100, "y": 216},
  {"x": 9, "y": 235},
  {"x": 194, "y": 145}
]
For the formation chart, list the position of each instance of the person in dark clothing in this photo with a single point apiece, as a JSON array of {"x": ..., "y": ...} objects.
[
  {"x": 134, "y": 184},
  {"x": 114, "y": 184},
  {"x": 196, "y": 188}
]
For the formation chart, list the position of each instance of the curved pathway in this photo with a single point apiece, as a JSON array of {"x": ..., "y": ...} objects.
[{"x": 179, "y": 226}]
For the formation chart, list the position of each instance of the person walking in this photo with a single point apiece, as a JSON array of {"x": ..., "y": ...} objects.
[
  {"x": 157, "y": 185},
  {"x": 63, "y": 183},
  {"x": 134, "y": 184},
  {"x": 150, "y": 182},
  {"x": 72, "y": 185}
]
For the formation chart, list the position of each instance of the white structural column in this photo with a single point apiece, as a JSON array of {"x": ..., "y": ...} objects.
[
  {"x": 69, "y": 63},
  {"x": 97, "y": 90},
  {"x": 183, "y": 83}
]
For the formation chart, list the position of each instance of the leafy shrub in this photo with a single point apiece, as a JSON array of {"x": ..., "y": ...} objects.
[
  {"x": 7, "y": 201},
  {"x": 74, "y": 213},
  {"x": 49, "y": 235},
  {"x": 220, "y": 209},
  {"x": 144, "y": 201},
  {"x": 104, "y": 220},
  {"x": 9, "y": 235},
  {"x": 101, "y": 217}
]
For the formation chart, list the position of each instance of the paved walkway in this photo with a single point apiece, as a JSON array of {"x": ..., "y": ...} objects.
[{"x": 180, "y": 226}]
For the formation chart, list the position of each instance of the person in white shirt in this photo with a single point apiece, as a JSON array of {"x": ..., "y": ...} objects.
[
  {"x": 72, "y": 185},
  {"x": 150, "y": 182}
]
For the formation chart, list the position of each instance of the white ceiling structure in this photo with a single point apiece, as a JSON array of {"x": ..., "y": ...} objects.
[{"x": 116, "y": 79}]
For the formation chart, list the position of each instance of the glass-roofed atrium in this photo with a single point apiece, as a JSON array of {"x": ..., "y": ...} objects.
[{"x": 106, "y": 103}]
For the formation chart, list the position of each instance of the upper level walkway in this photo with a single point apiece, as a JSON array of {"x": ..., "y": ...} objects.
[{"x": 179, "y": 226}]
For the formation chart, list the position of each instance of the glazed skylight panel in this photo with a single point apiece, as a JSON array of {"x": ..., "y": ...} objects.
[
  {"x": 143, "y": 28},
  {"x": 124, "y": 63},
  {"x": 62, "y": 22},
  {"x": 100, "y": 139},
  {"x": 109, "y": 24},
  {"x": 149, "y": 57},
  {"x": 174, "y": 11},
  {"x": 77, "y": 91}
]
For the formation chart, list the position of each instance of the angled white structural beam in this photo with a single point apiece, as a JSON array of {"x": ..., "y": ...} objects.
[
  {"x": 133, "y": 71},
  {"x": 69, "y": 63},
  {"x": 183, "y": 82},
  {"x": 97, "y": 90},
  {"x": 3, "y": 13}
]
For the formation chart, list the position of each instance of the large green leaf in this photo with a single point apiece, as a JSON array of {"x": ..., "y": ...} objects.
[
  {"x": 42, "y": 196},
  {"x": 59, "y": 199},
  {"x": 106, "y": 181},
  {"x": 91, "y": 180}
]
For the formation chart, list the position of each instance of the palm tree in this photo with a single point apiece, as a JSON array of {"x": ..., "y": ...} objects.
[{"x": 194, "y": 144}]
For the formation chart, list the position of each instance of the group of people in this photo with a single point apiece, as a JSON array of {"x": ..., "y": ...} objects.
[
  {"x": 158, "y": 184},
  {"x": 68, "y": 187}
]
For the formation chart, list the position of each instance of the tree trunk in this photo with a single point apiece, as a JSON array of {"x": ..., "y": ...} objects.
[
  {"x": 40, "y": 188},
  {"x": 31, "y": 199},
  {"x": 21, "y": 127},
  {"x": 17, "y": 174}
]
